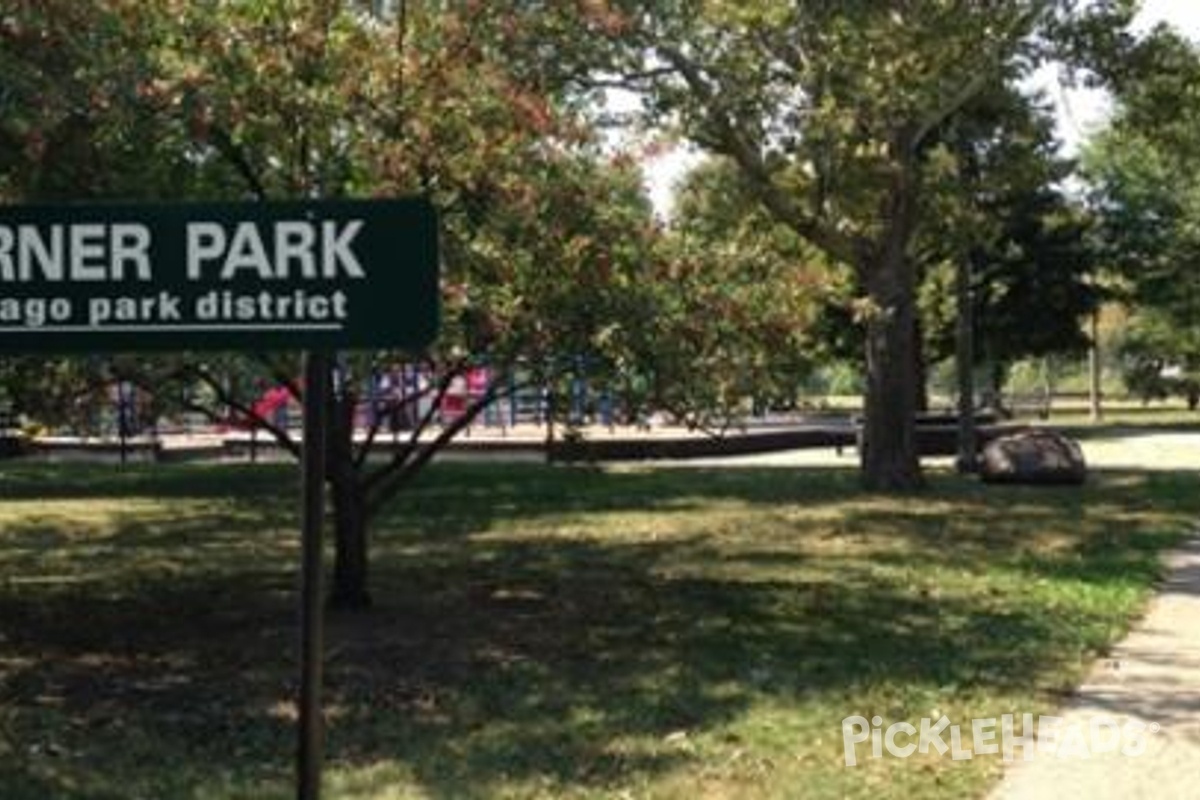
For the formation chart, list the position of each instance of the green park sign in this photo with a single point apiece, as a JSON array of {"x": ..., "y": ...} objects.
[
  {"x": 312, "y": 275},
  {"x": 300, "y": 275}
]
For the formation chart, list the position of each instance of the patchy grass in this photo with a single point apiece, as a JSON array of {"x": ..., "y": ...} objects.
[{"x": 551, "y": 632}]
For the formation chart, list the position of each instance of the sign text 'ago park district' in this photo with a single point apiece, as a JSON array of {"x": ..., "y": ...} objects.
[{"x": 323, "y": 274}]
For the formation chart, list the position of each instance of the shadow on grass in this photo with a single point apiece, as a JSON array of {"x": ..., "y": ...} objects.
[
  {"x": 498, "y": 657},
  {"x": 565, "y": 663},
  {"x": 537, "y": 669}
]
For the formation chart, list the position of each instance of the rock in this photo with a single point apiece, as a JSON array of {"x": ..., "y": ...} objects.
[{"x": 1033, "y": 456}]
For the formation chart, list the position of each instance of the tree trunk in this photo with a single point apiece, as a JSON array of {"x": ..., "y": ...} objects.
[
  {"x": 1094, "y": 394},
  {"x": 351, "y": 548},
  {"x": 964, "y": 365},
  {"x": 996, "y": 376},
  {"x": 889, "y": 457},
  {"x": 889, "y": 454},
  {"x": 351, "y": 555}
]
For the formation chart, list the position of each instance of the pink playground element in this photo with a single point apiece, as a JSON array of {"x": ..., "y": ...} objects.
[
  {"x": 463, "y": 392},
  {"x": 454, "y": 401},
  {"x": 478, "y": 380},
  {"x": 271, "y": 401}
]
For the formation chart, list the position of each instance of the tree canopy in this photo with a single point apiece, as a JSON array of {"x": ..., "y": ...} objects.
[
  {"x": 545, "y": 236},
  {"x": 828, "y": 111},
  {"x": 997, "y": 202}
]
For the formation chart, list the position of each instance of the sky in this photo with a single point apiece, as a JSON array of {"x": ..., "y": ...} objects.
[{"x": 1079, "y": 111}]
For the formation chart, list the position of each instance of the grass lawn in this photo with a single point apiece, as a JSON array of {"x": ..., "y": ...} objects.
[
  {"x": 1122, "y": 413},
  {"x": 552, "y": 632}
]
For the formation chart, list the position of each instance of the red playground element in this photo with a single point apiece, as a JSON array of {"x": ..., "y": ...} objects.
[
  {"x": 272, "y": 400},
  {"x": 464, "y": 391}
]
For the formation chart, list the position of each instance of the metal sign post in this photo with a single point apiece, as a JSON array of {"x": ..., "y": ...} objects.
[{"x": 311, "y": 722}]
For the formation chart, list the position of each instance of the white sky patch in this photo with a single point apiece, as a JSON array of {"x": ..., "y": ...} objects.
[
  {"x": 664, "y": 172},
  {"x": 1183, "y": 14},
  {"x": 1081, "y": 112},
  {"x": 667, "y": 162}
]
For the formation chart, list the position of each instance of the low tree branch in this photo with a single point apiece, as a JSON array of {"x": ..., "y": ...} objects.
[
  {"x": 256, "y": 420},
  {"x": 402, "y": 455},
  {"x": 388, "y": 407},
  {"x": 387, "y": 484}
]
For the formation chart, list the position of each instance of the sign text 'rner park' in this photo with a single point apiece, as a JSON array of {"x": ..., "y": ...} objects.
[{"x": 321, "y": 274}]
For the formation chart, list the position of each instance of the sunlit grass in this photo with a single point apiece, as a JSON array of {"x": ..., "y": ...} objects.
[
  {"x": 1124, "y": 413},
  {"x": 552, "y": 632}
]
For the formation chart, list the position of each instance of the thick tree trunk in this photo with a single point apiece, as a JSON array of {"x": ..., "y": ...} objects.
[
  {"x": 889, "y": 455},
  {"x": 351, "y": 555},
  {"x": 351, "y": 547}
]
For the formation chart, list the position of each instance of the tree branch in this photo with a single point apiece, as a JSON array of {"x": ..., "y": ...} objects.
[
  {"x": 979, "y": 79},
  {"x": 634, "y": 81},
  {"x": 387, "y": 407},
  {"x": 386, "y": 483},
  {"x": 236, "y": 156},
  {"x": 281, "y": 377},
  {"x": 401, "y": 456},
  {"x": 749, "y": 159},
  {"x": 257, "y": 420}
]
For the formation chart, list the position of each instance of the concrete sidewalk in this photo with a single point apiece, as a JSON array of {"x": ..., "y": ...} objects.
[{"x": 1152, "y": 678}]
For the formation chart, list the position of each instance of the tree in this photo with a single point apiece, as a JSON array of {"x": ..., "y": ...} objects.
[
  {"x": 543, "y": 239},
  {"x": 827, "y": 109},
  {"x": 742, "y": 306},
  {"x": 1141, "y": 174},
  {"x": 74, "y": 78},
  {"x": 66, "y": 392},
  {"x": 996, "y": 207},
  {"x": 70, "y": 129},
  {"x": 1159, "y": 359}
]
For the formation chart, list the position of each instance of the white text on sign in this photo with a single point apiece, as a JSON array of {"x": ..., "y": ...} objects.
[{"x": 90, "y": 252}]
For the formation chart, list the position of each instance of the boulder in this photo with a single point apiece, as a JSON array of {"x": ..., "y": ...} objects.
[{"x": 1033, "y": 456}]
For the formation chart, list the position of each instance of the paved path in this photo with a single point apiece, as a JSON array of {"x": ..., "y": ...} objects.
[
  {"x": 1126, "y": 450},
  {"x": 1131, "y": 450},
  {"x": 1145, "y": 450},
  {"x": 1152, "y": 678}
]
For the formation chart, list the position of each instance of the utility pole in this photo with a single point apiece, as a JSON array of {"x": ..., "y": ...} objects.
[{"x": 311, "y": 728}]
